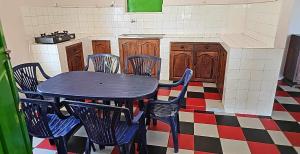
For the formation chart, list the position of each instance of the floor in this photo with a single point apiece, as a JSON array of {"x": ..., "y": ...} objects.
[{"x": 206, "y": 129}]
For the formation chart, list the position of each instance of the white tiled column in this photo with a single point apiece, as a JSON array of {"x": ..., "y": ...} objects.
[{"x": 251, "y": 80}]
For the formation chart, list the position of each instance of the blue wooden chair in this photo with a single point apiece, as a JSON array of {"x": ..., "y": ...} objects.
[
  {"x": 26, "y": 77},
  {"x": 43, "y": 125},
  {"x": 106, "y": 63},
  {"x": 105, "y": 127},
  {"x": 168, "y": 111}
]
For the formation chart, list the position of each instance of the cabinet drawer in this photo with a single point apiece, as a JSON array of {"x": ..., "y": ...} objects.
[
  {"x": 207, "y": 47},
  {"x": 181, "y": 46}
]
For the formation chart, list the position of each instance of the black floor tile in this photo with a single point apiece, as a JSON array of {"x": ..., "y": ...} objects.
[
  {"x": 186, "y": 128},
  {"x": 208, "y": 144},
  {"x": 291, "y": 107},
  {"x": 195, "y": 94},
  {"x": 211, "y": 90},
  {"x": 183, "y": 103},
  {"x": 257, "y": 135},
  {"x": 227, "y": 120},
  {"x": 288, "y": 126},
  {"x": 76, "y": 144},
  {"x": 294, "y": 94},
  {"x": 156, "y": 149},
  {"x": 279, "y": 88},
  {"x": 286, "y": 149}
]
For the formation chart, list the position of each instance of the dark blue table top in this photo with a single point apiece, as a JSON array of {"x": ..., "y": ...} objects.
[{"x": 100, "y": 86}]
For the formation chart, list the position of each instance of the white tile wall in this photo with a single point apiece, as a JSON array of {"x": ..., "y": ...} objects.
[
  {"x": 250, "y": 83},
  {"x": 262, "y": 21},
  {"x": 200, "y": 19}
]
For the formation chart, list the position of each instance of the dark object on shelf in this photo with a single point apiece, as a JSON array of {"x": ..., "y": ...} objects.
[
  {"x": 54, "y": 38},
  {"x": 292, "y": 64}
]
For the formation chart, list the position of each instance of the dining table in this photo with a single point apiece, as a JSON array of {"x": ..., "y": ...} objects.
[{"x": 81, "y": 85}]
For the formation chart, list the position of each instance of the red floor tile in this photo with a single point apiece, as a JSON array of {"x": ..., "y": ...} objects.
[
  {"x": 246, "y": 115},
  {"x": 163, "y": 127},
  {"x": 45, "y": 144},
  {"x": 297, "y": 99},
  {"x": 278, "y": 107},
  {"x": 194, "y": 108},
  {"x": 296, "y": 115},
  {"x": 294, "y": 138},
  {"x": 200, "y": 152},
  {"x": 200, "y": 84},
  {"x": 269, "y": 124},
  {"x": 185, "y": 141},
  {"x": 164, "y": 92},
  {"x": 263, "y": 148},
  {"x": 282, "y": 93},
  {"x": 280, "y": 82},
  {"x": 215, "y": 96},
  {"x": 230, "y": 132},
  {"x": 195, "y": 102},
  {"x": 204, "y": 118},
  {"x": 177, "y": 88}
]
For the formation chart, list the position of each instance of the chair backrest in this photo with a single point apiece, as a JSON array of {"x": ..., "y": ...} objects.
[
  {"x": 100, "y": 121},
  {"x": 106, "y": 63},
  {"x": 144, "y": 65},
  {"x": 26, "y": 77},
  {"x": 186, "y": 78},
  {"x": 35, "y": 111}
]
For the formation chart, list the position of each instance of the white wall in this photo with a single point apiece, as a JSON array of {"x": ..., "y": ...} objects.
[{"x": 14, "y": 32}]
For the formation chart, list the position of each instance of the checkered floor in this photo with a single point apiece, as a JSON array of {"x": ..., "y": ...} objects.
[{"x": 206, "y": 129}]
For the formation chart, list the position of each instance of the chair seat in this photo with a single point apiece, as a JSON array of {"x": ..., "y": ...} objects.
[
  {"x": 163, "y": 110},
  {"x": 125, "y": 133},
  {"x": 61, "y": 127}
]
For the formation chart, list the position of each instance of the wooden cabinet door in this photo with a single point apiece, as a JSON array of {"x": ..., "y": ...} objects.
[
  {"x": 206, "y": 66},
  {"x": 101, "y": 46},
  {"x": 222, "y": 69},
  {"x": 127, "y": 47},
  {"x": 75, "y": 57},
  {"x": 179, "y": 61},
  {"x": 151, "y": 48}
]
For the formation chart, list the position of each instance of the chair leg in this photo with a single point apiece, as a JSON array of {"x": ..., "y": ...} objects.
[
  {"x": 93, "y": 147},
  {"x": 132, "y": 148},
  {"x": 52, "y": 142},
  {"x": 61, "y": 145},
  {"x": 124, "y": 149},
  {"x": 174, "y": 133},
  {"x": 129, "y": 105},
  {"x": 87, "y": 147},
  {"x": 31, "y": 139},
  {"x": 178, "y": 123},
  {"x": 141, "y": 105}
]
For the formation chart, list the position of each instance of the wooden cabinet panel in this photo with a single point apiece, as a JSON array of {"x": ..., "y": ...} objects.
[
  {"x": 209, "y": 47},
  {"x": 221, "y": 72},
  {"x": 181, "y": 47},
  {"x": 292, "y": 64},
  {"x": 75, "y": 57},
  {"x": 131, "y": 47},
  {"x": 206, "y": 66},
  {"x": 101, "y": 46},
  {"x": 179, "y": 61}
]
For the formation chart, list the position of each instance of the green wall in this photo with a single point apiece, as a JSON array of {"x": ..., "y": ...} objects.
[{"x": 144, "y": 5}]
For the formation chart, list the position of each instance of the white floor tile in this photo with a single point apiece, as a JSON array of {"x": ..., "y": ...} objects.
[
  {"x": 174, "y": 93},
  {"x": 209, "y": 85},
  {"x": 214, "y": 105},
  {"x": 36, "y": 141},
  {"x": 279, "y": 138},
  {"x": 297, "y": 149},
  {"x": 206, "y": 130},
  {"x": 186, "y": 116},
  {"x": 280, "y": 115},
  {"x": 163, "y": 98},
  {"x": 286, "y": 100},
  {"x": 81, "y": 132},
  {"x": 195, "y": 89},
  {"x": 234, "y": 147},
  {"x": 43, "y": 151},
  {"x": 246, "y": 122},
  {"x": 181, "y": 151},
  {"x": 157, "y": 138},
  {"x": 290, "y": 89}
]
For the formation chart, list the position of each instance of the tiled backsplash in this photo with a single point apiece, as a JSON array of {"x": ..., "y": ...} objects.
[{"x": 203, "y": 19}]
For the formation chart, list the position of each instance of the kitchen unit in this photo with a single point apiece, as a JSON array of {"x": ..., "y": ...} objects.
[
  {"x": 75, "y": 57},
  {"x": 130, "y": 45},
  {"x": 101, "y": 46}
]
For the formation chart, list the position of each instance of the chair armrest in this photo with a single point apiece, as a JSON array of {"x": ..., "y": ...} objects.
[
  {"x": 28, "y": 92},
  {"x": 137, "y": 118},
  {"x": 86, "y": 68}
]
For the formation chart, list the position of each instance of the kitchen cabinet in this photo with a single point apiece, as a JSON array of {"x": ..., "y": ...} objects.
[
  {"x": 135, "y": 46},
  {"x": 292, "y": 64},
  {"x": 222, "y": 68},
  {"x": 75, "y": 57},
  {"x": 101, "y": 46},
  {"x": 202, "y": 58}
]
